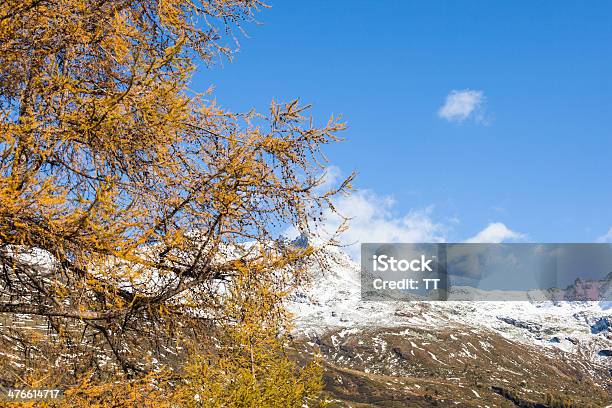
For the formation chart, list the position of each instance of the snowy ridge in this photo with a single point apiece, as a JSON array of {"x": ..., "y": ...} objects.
[{"x": 332, "y": 302}]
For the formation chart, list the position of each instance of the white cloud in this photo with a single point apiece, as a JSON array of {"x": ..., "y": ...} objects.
[
  {"x": 460, "y": 105},
  {"x": 607, "y": 237},
  {"x": 495, "y": 233},
  {"x": 372, "y": 220}
]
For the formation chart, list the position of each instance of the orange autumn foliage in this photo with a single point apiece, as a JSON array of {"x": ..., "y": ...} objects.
[{"x": 138, "y": 219}]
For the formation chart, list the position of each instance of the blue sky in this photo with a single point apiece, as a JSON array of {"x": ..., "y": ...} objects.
[{"x": 533, "y": 156}]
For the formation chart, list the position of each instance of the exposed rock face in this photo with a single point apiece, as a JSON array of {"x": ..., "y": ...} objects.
[
  {"x": 601, "y": 325},
  {"x": 532, "y": 327},
  {"x": 583, "y": 290}
]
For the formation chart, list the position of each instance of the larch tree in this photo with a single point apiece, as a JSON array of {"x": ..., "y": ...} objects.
[{"x": 138, "y": 218}]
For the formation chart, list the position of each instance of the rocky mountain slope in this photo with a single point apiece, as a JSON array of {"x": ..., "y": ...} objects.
[{"x": 459, "y": 354}]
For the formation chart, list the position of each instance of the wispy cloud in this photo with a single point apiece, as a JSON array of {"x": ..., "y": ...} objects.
[
  {"x": 372, "y": 219},
  {"x": 495, "y": 233},
  {"x": 330, "y": 178},
  {"x": 607, "y": 237},
  {"x": 463, "y": 104}
]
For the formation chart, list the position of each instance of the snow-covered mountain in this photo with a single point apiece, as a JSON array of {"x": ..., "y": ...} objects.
[
  {"x": 515, "y": 350},
  {"x": 451, "y": 353}
]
